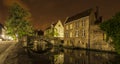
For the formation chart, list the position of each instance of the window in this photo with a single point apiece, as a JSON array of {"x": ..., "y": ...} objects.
[
  {"x": 72, "y": 42},
  {"x": 104, "y": 36},
  {"x": 77, "y": 25},
  {"x": 59, "y": 25},
  {"x": 71, "y": 26},
  {"x": 70, "y": 34},
  {"x": 83, "y": 22},
  {"x": 66, "y": 34},
  {"x": 76, "y": 33},
  {"x": 79, "y": 42},
  {"x": 83, "y": 33}
]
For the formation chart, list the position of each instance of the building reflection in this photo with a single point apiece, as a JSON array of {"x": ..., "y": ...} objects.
[
  {"x": 67, "y": 56},
  {"x": 57, "y": 56},
  {"x": 88, "y": 57},
  {"x": 75, "y": 57}
]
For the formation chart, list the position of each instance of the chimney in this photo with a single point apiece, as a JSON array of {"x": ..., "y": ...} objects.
[
  {"x": 100, "y": 19},
  {"x": 97, "y": 12}
]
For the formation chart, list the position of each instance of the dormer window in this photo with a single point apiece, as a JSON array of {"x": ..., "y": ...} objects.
[{"x": 59, "y": 25}]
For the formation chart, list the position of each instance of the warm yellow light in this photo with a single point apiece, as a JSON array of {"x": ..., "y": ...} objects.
[{"x": 3, "y": 36}]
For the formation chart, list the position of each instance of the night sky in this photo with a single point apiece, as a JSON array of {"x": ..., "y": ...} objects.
[{"x": 45, "y": 12}]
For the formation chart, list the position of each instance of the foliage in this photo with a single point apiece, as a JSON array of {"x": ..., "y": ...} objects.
[
  {"x": 17, "y": 23},
  {"x": 56, "y": 32},
  {"x": 112, "y": 30},
  {"x": 52, "y": 32}
]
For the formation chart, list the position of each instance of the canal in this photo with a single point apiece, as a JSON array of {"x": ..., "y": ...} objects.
[{"x": 68, "y": 56}]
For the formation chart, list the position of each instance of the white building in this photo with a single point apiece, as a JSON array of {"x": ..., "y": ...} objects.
[{"x": 55, "y": 30}]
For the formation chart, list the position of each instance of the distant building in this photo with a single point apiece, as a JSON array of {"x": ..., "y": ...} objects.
[
  {"x": 55, "y": 30},
  {"x": 82, "y": 30},
  {"x": 38, "y": 32}
]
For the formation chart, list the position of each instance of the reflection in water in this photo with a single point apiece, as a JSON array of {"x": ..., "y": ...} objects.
[
  {"x": 59, "y": 59},
  {"x": 88, "y": 57},
  {"x": 66, "y": 56}
]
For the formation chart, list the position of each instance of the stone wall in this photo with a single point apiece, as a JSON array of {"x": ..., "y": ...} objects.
[
  {"x": 98, "y": 39},
  {"x": 85, "y": 33},
  {"x": 77, "y": 36}
]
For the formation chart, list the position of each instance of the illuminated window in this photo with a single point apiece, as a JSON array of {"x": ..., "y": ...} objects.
[
  {"x": 104, "y": 36},
  {"x": 70, "y": 34},
  {"x": 59, "y": 25},
  {"x": 76, "y": 33},
  {"x": 79, "y": 41},
  {"x": 83, "y": 33},
  {"x": 71, "y": 26}
]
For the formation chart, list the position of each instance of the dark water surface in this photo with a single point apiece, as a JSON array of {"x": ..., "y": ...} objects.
[{"x": 67, "y": 56}]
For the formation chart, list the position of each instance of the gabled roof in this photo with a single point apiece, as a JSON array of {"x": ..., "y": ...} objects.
[
  {"x": 79, "y": 15},
  {"x": 50, "y": 26},
  {"x": 54, "y": 24}
]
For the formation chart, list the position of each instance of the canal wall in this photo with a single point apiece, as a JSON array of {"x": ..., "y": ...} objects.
[
  {"x": 95, "y": 38},
  {"x": 88, "y": 57},
  {"x": 92, "y": 46},
  {"x": 7, "y": 42}
]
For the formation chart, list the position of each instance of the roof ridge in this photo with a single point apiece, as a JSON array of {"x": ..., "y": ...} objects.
[{"x": 79, "y": 15}]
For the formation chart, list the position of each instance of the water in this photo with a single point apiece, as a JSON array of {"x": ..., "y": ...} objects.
[{"x": 68, "y": 56}]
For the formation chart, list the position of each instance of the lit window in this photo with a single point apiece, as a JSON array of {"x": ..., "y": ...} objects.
[
  {"x": 71, "y": 26},
  {"x": 76, "y": 33},
  {"x": 70, "y": 34},
  {"x": 79, "y": 41},
  {"x": 83, "y": 33},
  {"x": 104, "y": 36},
  {"x": 67, "y": 42}
]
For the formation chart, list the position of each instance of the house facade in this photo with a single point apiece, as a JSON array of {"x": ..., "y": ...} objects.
[
  {"x": 82, "y": 30},
  {"x": 55, "y": 33},
  {"x": 55, "y": 30}
]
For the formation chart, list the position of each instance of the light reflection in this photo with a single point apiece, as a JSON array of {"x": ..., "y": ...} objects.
[
  {"x": 69, "y": 56},
  {"x": 59, "y": 58}
]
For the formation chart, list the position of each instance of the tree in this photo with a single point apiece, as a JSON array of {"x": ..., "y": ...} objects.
[
  {"x": 112, "y": 29},
  {"x": 17, "y": 23},
  {"x": 53, "y": 32}
]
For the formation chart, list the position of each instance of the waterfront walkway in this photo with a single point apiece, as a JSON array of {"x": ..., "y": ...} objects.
[{"x": 13, "y": 53}]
